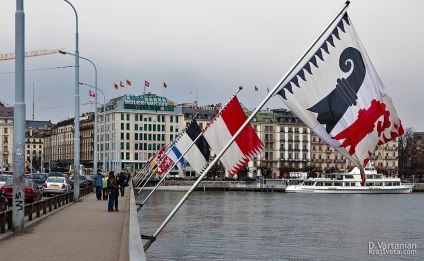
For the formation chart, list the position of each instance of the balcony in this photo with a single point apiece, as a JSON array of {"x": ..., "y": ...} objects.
[{"x": 328, "y": 160}]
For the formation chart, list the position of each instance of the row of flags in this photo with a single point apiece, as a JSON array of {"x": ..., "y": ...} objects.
[
  {"x": 128, "y": 83},
  {"x": 335, "y": 91},
  {"x": 193, "y": 145},
  {"x": 257, "y": 89}
]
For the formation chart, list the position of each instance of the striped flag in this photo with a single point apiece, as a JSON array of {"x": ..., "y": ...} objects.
[
  {"x": 222, "y": 129},
  {"x": 198, "y": 155}
]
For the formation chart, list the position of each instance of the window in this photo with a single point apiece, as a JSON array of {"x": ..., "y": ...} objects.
[
  {"x": 122, "y": 145},
  {"x": 136, "y": 126},
  {"x": 136, "y": 117},
  {"x": 127, "y": 156},
  {"x": 122, "y": 117},
  {"x": 127, "y": 145},
  {"x": 136, "y": 136},
  {"x": 171, "y": 118},
  {"x": 128, "y": 136},
  {"x": 128, "y": 117},
  {"x": 136, "y": 146},
  {"x": 128, "y": 126},
  {"x": 122, "y": 135},
  {"x": 122, "y": 126}
]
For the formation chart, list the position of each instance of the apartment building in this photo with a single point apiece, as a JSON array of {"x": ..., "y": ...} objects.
[
  {"x": 137, "y": 126},
  {"x": 6, "y": 136}
]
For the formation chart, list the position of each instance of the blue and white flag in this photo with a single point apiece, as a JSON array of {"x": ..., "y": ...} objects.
[
  {"x": 338, "y": 94},
  {"x": 174, "y": 154},
  {"x": 198, "y": 155}
]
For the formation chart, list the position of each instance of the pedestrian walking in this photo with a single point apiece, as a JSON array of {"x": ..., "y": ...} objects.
[
  {"x": 111, "y": 185},
  {"x": 98, "y": 184},
  {"x": 123, "y": 182},
  {"x": 118, "y": 184},
  {"x": 104, "y": 187}
]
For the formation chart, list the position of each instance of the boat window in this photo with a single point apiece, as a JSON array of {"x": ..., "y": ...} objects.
[
  {"x": 347, "y": 184},
  {"x": 368, "y": 184}
]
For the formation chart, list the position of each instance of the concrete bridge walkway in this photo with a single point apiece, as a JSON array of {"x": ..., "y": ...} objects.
[{"x": 78, "y": 231}]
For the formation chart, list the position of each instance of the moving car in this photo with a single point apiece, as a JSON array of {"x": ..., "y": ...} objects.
[
  {"x": 56, "y": 185},
  {"x": 32, "y": 193}
]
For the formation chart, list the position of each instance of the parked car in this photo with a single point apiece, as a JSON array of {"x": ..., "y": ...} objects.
[
  {"x": 40, "y": 178},
  {"x": 32, "y": 193},
  {"x": 4, "y": 178},
  {"x": 57, "y": 174},
  {"x": 28, "y": 176},
  {"x": 82, "y": 182},
  {"x": 56, "y": 185},
  {"x": 89, "y": 180}
]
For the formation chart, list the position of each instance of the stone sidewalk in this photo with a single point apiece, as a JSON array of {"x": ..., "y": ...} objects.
[{"x": 79, "y": 231}]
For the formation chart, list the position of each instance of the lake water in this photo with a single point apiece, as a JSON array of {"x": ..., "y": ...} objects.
[{"x": 217, "y": 225}]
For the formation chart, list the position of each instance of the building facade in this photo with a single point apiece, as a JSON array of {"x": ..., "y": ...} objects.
[
  {"x": 6, "y": 136},
  {"x": 137, "y": 126}
]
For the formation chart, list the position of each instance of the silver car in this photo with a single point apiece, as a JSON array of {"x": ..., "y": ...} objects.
[
  {"x": 56, "y": 185},
  {"x": 4, "y": 178}
]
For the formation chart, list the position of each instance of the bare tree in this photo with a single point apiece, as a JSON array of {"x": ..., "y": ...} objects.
[{"x": 406, "y": 146}]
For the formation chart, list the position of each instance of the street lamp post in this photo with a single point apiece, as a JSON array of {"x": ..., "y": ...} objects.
[
  {"x": 95, "y": 157},
  {"x": 77, "y": 112},
  {"x": 95, "y": 122}
]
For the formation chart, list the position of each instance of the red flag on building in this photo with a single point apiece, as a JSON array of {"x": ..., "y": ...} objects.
[
  {"x": 91, "y": 93},
  {"x": 115, "y": 85},
  {"x": 164, "y": 85},
  {"x": 128, "y": 82},
  {"x": 146, "y": 84},
  {"x": 121, "y": 84},
  {"x": 256, "y": 88}
]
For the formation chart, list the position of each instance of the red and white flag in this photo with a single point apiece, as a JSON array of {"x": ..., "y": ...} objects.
[
  {"x": 121, "y": 84},
  {"x": 222, "y": 129},
  {"x": 91, "y": 93},
  {"x": 338, "y": 94},
  {"x": 146, "y": 84},
  {"x": 165, "y": 164}
]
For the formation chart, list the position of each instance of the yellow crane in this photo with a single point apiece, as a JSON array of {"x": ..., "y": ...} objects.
[{"x": 11, "y": 56}]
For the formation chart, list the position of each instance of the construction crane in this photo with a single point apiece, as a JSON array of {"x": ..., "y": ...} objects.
[{"x": 11, "y": 56}]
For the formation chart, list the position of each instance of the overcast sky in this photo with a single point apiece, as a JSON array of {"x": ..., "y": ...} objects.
[{"x": 203, "y": 49}]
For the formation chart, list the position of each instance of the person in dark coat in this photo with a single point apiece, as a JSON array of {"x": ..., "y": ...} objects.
[
  {"x": 113, "y": 188},
  {"x": 123, "y": 180},
  {"x": 98, "y": 184}
]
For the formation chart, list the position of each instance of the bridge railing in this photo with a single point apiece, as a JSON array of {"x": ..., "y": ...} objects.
[{"x": 40, "y": 208}]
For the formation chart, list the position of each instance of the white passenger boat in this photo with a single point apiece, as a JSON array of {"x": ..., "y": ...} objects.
[{"x": 350, "y": 183}]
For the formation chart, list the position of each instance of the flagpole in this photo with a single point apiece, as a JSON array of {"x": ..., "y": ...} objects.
[
  {"x": 194, "y": 142},
  {"x": 210, "y": 165},
  {"x": 175, "y": 163},
  {"x": 153, "y": 237},
  {"x": 150, "y": 171}
]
